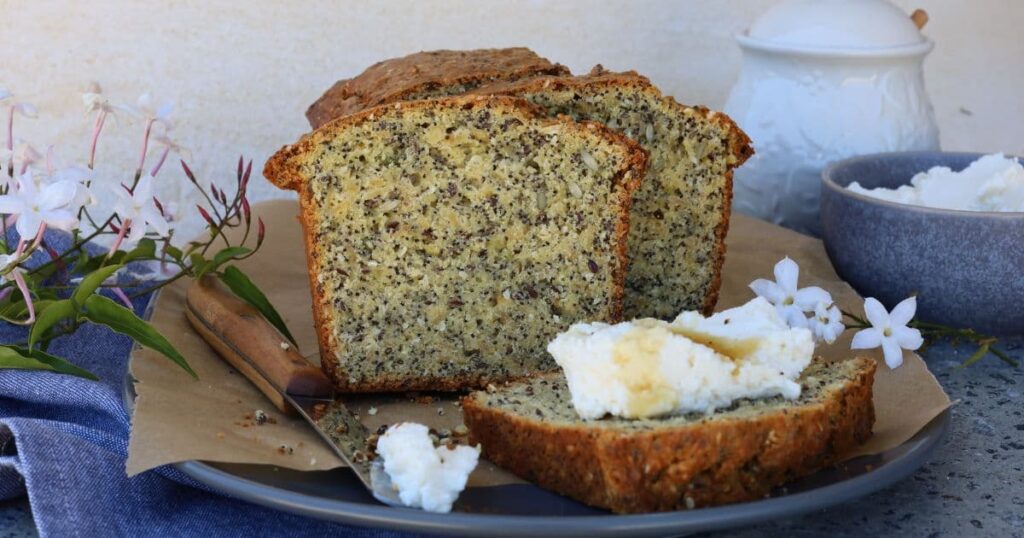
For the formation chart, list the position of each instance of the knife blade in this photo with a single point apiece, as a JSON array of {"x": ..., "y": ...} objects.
[{"x": 244, "y": 339}]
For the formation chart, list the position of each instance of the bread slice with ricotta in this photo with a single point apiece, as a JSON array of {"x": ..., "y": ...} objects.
[
  {"x": 426, "y": 75},
  {"x": 630, "y": 466},
  {"x": 450, "y": 240}
]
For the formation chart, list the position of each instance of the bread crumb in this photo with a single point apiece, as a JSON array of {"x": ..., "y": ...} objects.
[
  {"x": 371, "y": 411},
  {"x": 220, "y": 435},
  {"x": 440, "y": 411},
  {"x": 285, "y": 346}
]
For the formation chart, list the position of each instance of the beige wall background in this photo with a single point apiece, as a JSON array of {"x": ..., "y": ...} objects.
[{"x": 242, "y": 73}]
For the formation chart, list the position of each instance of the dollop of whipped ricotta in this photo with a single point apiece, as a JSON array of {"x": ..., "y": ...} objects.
[
  {"x": 991, "y": 183},
  {"x": 647, "y": 368},
  {"x": 426, "y": 476}
]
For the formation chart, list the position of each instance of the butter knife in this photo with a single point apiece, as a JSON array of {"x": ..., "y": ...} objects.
[{"x": 243, "y": 338}]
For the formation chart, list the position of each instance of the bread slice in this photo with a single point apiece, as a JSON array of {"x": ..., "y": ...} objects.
[
  {"x": 735, "y": 454},
  {"x": 425, "y": 75},
  {"x": 449, "y": 240},
  {"x": 681, "y": 212}
]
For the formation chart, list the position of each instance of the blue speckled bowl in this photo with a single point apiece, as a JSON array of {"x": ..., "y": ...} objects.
[{"x": 966, "y": 267}]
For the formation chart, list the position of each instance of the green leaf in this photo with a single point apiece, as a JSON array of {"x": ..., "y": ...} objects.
[
  {"x": 981, "y": 352},
  {"x": 58, "y": 364},
  {"x": 174, "y": 252},
  {"x": 226, "y": 255},
  {"x": 12, "y": 358},
  {"x": 50, "y": 316},
  {"x": 199, "y": 264},
  {"x": 93, "y": 281},
  {"x": 1004, "y": 357},
  {"x": 244, "y": 288},
  {"x": 146, "y": 249},
  {"x": 101, "y": 310}
]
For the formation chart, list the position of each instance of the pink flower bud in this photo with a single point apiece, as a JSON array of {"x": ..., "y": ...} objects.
[
  {"x": 188, "y": 172},
  {"x": 159, "y": 206},
  {"x": 245, "y": 176},
  {"x": 239, "y": 174},
  {"x": 261, "y": 231},
  {"x": 246, "y": 212},
  {"x": 205, "y": 215}
]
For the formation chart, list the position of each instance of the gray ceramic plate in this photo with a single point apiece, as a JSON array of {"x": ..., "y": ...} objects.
[{"x": 526, "y": 510}]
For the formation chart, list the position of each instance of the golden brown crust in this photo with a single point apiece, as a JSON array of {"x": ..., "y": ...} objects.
[
  {"x": 396, "y": 79},
  {"x": 739, "y": 143},
  {"x": 673, "y": 468},
  {"x": 283, "y": 169}
]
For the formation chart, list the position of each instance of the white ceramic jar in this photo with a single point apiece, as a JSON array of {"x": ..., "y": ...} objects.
[{"x": 823, "y": 80}]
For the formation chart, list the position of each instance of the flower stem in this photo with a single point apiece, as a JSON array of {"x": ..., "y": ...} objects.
[
  {"x": 145, "y": 147},
  {"x": 101, "y": 118}
]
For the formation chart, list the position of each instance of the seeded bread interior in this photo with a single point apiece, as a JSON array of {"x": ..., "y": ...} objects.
[
  {"x": 449, "y": 240},
  {"x": 680, "y": 213}
]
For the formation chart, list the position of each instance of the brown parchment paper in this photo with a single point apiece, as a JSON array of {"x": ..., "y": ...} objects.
[{"x": 177, "y": 418}]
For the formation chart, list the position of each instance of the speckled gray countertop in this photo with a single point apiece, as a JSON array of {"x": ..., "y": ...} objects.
[{"x": 974, "y": 485}]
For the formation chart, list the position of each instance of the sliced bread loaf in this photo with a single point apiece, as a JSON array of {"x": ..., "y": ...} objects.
[
  {"x": 449, "y": 240},
  {"x": 681, "y": 212},
  {"x": 425, "y": 75},
  {"x": 735, "y": 454}
]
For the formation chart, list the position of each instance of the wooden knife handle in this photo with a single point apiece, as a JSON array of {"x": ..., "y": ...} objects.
[{"x": 252, "y": 345}]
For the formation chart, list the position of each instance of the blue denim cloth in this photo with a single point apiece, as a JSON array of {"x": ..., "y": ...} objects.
[{"x": 64, "y": 441}]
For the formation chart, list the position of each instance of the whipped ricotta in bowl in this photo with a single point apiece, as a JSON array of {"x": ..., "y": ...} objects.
[
  {"x": 991, "y": 183},
  {"x": 647, "y": 368}
]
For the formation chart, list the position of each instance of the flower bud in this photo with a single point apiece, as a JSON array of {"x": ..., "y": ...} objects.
[
  {"x": 261, "y": 231},
  {"x": 238, "y": 176},
  {"x": 245, "y": 176},
  {"x": 159, "y": 206},
  {"x": 188, "y": 172},
  {"x": 246, "y": 212},
  {"x": 205, "y": 215}
]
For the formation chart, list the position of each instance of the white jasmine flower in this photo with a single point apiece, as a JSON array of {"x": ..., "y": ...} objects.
[
  {"x": 791, "y": 302},
  {"x": 889, "y": 330},
  {"x": 95, "y": 101},
  {"x": 826, "y": 323},
  {"x": 138, "y": 211},
  {"x": 21, "y": 157},
  {"x": 78, "y": 175},
  {"x": 33, "y": 205},
  {"x": 150, "y": 112},
  {"x": 170, "y": 145},
  {"x": 25, "y": 109}
]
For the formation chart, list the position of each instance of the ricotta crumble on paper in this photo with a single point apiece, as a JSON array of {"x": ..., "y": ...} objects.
[{"x": 425, "y": 476}]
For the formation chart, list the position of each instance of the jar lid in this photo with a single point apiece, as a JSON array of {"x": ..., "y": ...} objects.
[{"x": 836, "y": 24}]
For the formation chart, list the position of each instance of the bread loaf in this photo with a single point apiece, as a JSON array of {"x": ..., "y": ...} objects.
[
  {"x": 680, "y": 214},
  {"x": 449, "y": 240},
  {"x": 427, "y": 74}
]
